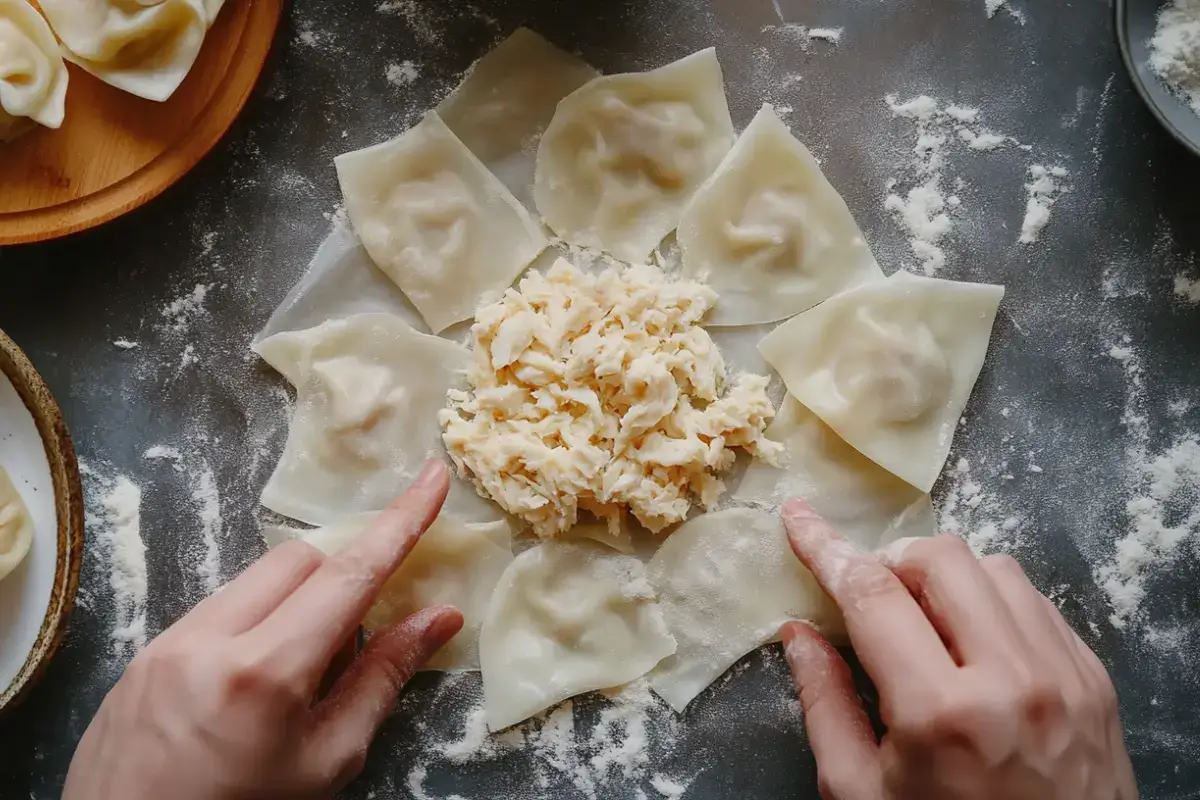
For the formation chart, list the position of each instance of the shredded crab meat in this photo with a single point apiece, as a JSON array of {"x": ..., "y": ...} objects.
[{"x": 601, "y": 393}]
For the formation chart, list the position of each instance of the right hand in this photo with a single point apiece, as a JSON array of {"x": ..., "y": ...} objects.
[{"x": 986, "y": 692}]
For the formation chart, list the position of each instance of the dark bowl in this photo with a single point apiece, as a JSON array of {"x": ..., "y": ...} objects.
[{"x": 1136, "y": 21}]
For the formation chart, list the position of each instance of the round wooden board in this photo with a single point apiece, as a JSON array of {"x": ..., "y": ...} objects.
[{"x": 116, "y": 151}]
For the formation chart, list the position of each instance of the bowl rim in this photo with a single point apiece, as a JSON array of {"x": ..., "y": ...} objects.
[
  {"x": 1121, "y": 31},
  {"x": 68, "y": 503}
]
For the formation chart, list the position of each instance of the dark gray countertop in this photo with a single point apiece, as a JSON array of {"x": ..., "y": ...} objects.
[{"x": 250, "y": 216}]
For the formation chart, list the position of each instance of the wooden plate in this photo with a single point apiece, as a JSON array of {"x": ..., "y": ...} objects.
[
  {"x": 116, "y": 151},
  {"x": 37, "y": 597}
]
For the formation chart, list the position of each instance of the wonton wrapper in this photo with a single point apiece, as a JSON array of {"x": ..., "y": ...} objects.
[
  {"x": 769, "y": 233},
  {"x": 16, "y": 526},
  {"x": 624, "y": 154},
  {"x": 144, "y": 48},
  {"x": 368, "y": 389},
  {"x": 860, "y": 499},
  {"x": 436, "y": 221},
  {"x": 33, "y": 77},
  {"x": 890, "y": 365},
  {"x": 454, "y": 563},
  {"x": 566, "y": 619},
  {"x": 507, "y": 99},
  {"x": 726, "y": 582}
]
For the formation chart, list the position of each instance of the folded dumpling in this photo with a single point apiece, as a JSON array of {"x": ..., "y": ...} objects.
[
  {"x": 16, "y": 526},
  {"x": 565, "y": 619},
  {"x": 507, "y": 99},
  {"x": 455, "y": 563},
  {"x": 726, "y": 582},
  {"x": 860, "y": 499},
  {"x": 890, "y": 365},
  {"x": 769, "y": 233},
  {"x": 436, "y": 221},
  {"x": 368, "y": 390},
  {"x": 146, "y": 47},
  {"x": 33, "y": 77},
  {"x": 625, "y": 153}
]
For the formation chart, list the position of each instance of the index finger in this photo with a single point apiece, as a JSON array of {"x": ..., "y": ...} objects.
[
  {"x": 309, "y": 626},
  {"x": 894, "y": 640}
]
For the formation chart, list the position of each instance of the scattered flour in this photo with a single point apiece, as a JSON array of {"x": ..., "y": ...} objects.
[
  {"x": 113, "y": 509},
  {"x": 804, "y": 35},
  {"x": 614, "y": 751},
  {"x": 202, "y": 487},
  {"x": 1175, "y": 50},
  {"x": 402, "y": 74},
  {"x": 1169, "y": 489},
  {"x": 1187, "y": 289},
  {"x": 180, "y": 312},
  {"x": 125, "y": 344},
  {"x": 667, "y": 787},
  {"x": 968, "y": 510},
  {"x": 1044, "y": 191},
  {"x": 993, "y": 6}
]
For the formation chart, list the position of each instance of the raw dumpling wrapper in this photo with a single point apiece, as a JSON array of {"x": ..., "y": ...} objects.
[
  {"x": 16, "y": 526},
  {"x": 769, "y": 233},
  {"x": 368, "y": 390},
  {"x": 33, "y": 77},
  {"x": 566, "y": 619},
  {"x": 860, "y": 499},
  {"x": 436, "y": 221},
  {"x": 507, "y": 99},
  {"x": 455, "y": 563},
  {"x": 144, "y": 47},
  {"x": 890, "y": 365},
  {"x": 726, "y": 582},
  {"x": 624, "y": 154}
]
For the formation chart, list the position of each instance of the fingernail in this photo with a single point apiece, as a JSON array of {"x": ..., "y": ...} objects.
[
  {"x": 431, "y": 475},
  {"x": 800, "y": 642}
]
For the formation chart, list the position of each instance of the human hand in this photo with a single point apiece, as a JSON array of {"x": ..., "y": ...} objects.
[
  {"x": 221, "y": 705},
  {"x": 986, "y": 692}
]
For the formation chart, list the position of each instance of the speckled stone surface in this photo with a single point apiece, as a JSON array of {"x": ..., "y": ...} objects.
[{"x": 248, "y": 219}]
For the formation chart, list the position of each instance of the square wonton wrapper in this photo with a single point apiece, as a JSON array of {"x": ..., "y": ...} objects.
[
  {"x": 890, "y": 366},
  {"x": 436, "y": 221},
  {"x": 860, "y": 499},
  {"x": 624, "y": 154},
  {"x": 566, "y": 619},
  {"x": 368, "y": 389},
  {"x": 454, "y": 563},
  {"x": 769, "y": 233},
  {"x": 726, "y": 582},
  {"x": 507, "y": 99}
]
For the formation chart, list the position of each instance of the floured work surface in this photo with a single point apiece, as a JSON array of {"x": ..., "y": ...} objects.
[{"x": 1083, "y": 409}]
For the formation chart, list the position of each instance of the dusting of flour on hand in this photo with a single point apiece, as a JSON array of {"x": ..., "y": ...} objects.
[{"x": 1175, "y": 50}]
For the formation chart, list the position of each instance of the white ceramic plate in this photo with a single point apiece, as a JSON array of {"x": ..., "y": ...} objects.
[{"x": 36, "y": 598}]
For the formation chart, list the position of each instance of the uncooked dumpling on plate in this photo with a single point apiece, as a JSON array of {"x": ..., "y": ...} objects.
[
  {"x": 890, "y": 366},
  {"x": 507, "y": 100},
  {"x": 33, "y": 77},
  {"x": 624, "y": 154},
  {"x": 860, "y": 499},
  {"x": 144, "y": 47},
  {"x": 726, "y": 582},
  {"x": 368, "y": 390},
  {"x": 16, "y": 526},
  {"x": 769, "y": 233},
  {"x": 436, "y": 221},
  {"x": 454, "y": 563},
  {"x": 566, "y": 619}
]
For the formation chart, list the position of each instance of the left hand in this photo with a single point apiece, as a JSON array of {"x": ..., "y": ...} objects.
[{"x": 221, "y": 705}]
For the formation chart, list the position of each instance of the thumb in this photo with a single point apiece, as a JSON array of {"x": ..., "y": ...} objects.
[
  {"x": 348, "y": 719},
  {"x": 847, "y": 753}
]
